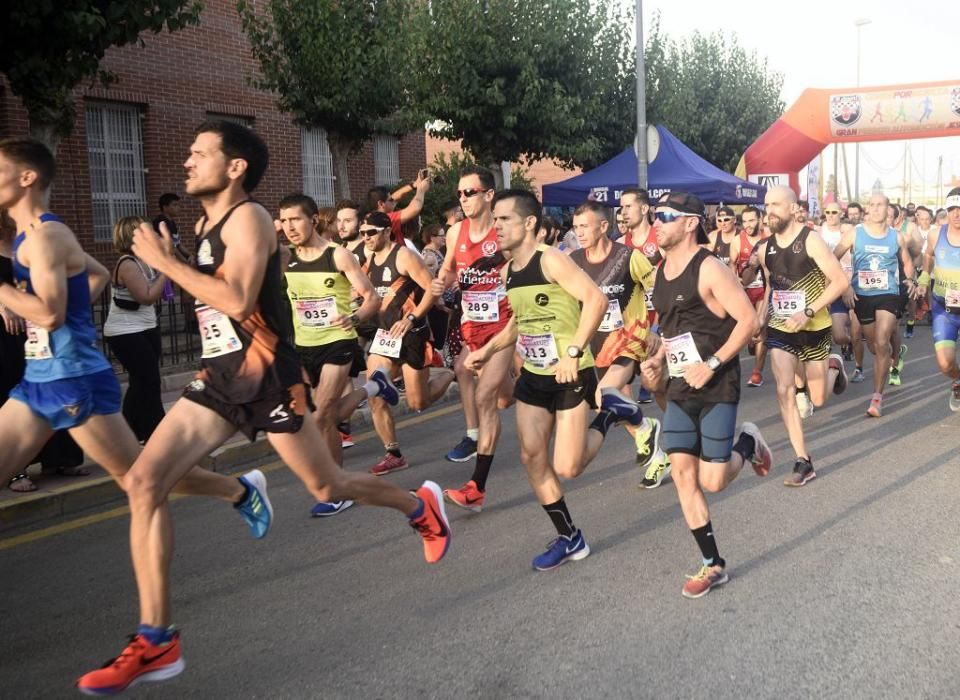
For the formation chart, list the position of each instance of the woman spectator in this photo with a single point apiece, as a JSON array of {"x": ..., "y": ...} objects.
[{"x": 132, "y": 333}]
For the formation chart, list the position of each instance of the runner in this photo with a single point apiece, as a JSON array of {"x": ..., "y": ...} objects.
[
  {"x": 621, "y": 342},
  {"x": 473, "y": 263},
  {"x": 322, "y": 279},
  {"x": 250, "y": 380},
  {"x": 746, "y": 265},
  {"x": 854, "y": 213},
  {"x": 348, "y": 228},
  {"x": 402, "y": 341},
  {"x": 844, "y": 326},
  {"x": 919, "y": 306},
  {"x": 875, "y": 290},
  {"x": 724, "y": 235},
  {"x": 803, "y": 277},
  {"x": 941, "y": 262},
  {"x": 706, "y": 319},
  {"x": 556, "y": 310}
]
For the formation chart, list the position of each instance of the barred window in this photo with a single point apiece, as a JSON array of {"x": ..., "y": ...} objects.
[
  {"x": 115, "y": 152},
  {"x": 235, "y": 118},
  {"x": 386, "y": 159},
  {"x": 317, "y": 166}
]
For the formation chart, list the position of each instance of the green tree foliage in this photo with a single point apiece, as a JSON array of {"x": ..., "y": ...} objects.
[
  {"x": 49, "y": 47},
  {"x": 711, "y": 93},
  {"x": 341, "y": 66},
  {"x": 512, "y": 78}
]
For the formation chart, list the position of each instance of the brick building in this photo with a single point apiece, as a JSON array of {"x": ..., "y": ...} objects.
[{"x": 130, "y": 140}]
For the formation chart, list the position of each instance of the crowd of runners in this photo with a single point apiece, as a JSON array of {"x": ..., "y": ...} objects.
[{"x": 578, "y": 332}]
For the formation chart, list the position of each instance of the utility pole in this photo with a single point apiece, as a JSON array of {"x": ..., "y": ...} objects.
[{"x": 863, "y": 21}]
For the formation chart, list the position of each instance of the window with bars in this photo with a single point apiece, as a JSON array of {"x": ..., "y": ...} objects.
[
  {"x": 235, "y": 118},
  {"x": 386, "y": 159},
  {"x": 317, "y": 166},
  {"x": 115, "y": 152}
]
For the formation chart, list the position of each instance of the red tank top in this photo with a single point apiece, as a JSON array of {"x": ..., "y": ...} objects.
[
  {"x": 649, "y": 247},
  {"x": 478, "y": 274}
]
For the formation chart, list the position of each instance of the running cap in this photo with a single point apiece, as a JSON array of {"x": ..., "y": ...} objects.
[
  {"x": 953, "y": 199},
  {"x": 378, "y": 219},
  {"x": 687, "y": 204}
]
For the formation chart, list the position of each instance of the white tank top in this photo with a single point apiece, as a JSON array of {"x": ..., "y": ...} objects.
[
  {"x": 831, "y": 238},
  {"x": 125, "y": 321}
]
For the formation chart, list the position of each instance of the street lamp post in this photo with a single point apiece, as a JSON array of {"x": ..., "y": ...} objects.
[
  {"x": 641, "y": 103},
  {"x": 858, "y": 23}
]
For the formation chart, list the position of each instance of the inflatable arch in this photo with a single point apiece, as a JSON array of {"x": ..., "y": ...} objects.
[{"x": 821, "y": 117}]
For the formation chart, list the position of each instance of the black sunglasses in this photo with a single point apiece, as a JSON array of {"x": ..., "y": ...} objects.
[
  {"x": 371, "y": 232},
  {"x": 461, "y": 194}
]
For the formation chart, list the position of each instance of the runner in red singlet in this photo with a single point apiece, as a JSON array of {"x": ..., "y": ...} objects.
[{"x": 746, "y": 265}]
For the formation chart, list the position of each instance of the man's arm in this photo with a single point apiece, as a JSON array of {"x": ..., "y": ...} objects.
[
  {"x": 443, "y": 279},
  {"x": 734, "y": 254},
  {"x": 361, "y": 284},
  {"x": 906, "y": 258},
  {"x": 764, "y": 303},
  {"x": 505, "y": 338},
  {"x": 829, "y": 264},
  {"x": 247, "y": 236},
  {"x": 929, "y": 260},
  {"x": 98, "y": 277},
  {"x": 413, "y": 209},
  {"x": 47, "y": 306},
  {"x": 412, "y": 265}
]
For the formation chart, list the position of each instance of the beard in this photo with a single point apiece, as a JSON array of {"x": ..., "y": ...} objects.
[
  {"x": 776, "y": 224},
  {"x": 209, "y": 189},
  {"x": 350, "y": 237}
]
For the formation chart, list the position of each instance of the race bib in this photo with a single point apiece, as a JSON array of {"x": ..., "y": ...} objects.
[
  {"x": 952, "y": 298},
  {"x": 481, "y": 307},
  {"x": 37, "y": 346},
  {"x": 316, "y": 313},
  {"x": 872, "y": 279},
  {"x": 784, "y": 303},
  {"x": 539, "y": 351},
  {"x": 613, "y": 318},
  {"x": 383, "y": 344},
  {"x": 648, "y": 297},
  {"x": 681, "y": 353},
  {"x": 217, "y": 334}
]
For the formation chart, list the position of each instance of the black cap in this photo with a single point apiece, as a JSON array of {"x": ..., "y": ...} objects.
[
  {"x": 687, "y": 204},
  {"x": 378, "y": 219}
]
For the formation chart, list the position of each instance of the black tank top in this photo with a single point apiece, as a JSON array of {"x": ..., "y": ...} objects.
[
  {"x": 722, "y": 249},
  {"x": 399, "y": 294},
  {"x": 682, "y": 310},
  {"x": 265, "y": 363}
]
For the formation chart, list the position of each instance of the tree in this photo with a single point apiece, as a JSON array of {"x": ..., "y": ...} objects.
[
  {"x": 340, "y": 66},
  {"x": 711, "y": 93},
  {"x": 49, "y": 48},
  {"x": 512, "y": 78}
]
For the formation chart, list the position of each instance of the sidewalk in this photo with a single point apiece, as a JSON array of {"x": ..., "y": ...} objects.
[{"x": 63, "y": 496}]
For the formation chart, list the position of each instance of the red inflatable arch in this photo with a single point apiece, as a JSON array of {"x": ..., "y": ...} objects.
[{"x": 821, "y": 117}]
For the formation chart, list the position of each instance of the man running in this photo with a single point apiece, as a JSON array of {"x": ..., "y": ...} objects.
[
  {"x": 621, "y": 342},
  {"x": 746, "y": 266},
  {"x": 556, "y": 309},
  {"x": 919, "y": 236},
  {"x": 251, "y": 380},
  {"x": 473, "y": 262},
  {"x": 725, "y": 234},
  {"x": 348, "y": 227},
  {"x": 705, "y": 318},
  {"x": 878, "y": 252},
  {"x": 831, "y": 232},
  {"x": 941, "y": 262},
  {"x": 322, "y": 280},
  {"x": 402, "y": 340},
  {"x": 803, "y": 278}
]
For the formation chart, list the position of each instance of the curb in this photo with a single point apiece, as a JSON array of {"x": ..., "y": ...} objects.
[{"x": 98, "y": 492}]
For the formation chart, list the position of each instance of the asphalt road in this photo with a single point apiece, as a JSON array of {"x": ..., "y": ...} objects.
[{"x": 845, "y": 588}]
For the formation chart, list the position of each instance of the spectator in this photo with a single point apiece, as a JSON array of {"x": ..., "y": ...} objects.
[
  {"x": 327, "y": 224},
  {"x": 169, "y": 208},
  {"x": 452, "y": 213},
  {"x": 132, "y": 333},
  {"x": 432, "y": 238}
]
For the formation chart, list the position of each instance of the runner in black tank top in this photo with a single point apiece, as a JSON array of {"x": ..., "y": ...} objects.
[{"x": 705, "y": 320}]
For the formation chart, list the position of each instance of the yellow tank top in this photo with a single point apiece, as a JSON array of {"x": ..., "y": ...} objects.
[{"x": 318, "y": 293}]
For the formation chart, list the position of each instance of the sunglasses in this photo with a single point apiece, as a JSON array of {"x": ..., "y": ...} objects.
[
  {"x": 467, "y": 194},
  {"x": 831, "y": 211},
  {"x": 724, "y": 219},
  {"x": 371, "y": 232},
  {"x": 666, "y": 217}
]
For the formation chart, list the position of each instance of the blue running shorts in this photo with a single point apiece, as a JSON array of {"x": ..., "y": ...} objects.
[
  {"x": 946, "y": 326},
  {"x": 67, "y": 403}
]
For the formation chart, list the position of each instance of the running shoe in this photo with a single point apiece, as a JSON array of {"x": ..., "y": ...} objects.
[
  {"x": 620, "y": 405},
  {"x": 804, "y": 404},
  {"x": 707, "y": 578},
  {"x": 388, "y": 465},
  {"x": 840, "y": 383},
  {"x": 562, "y": 550},
  {"x": 658, "y": 470},
  {"x": 857, "y": 375},
  {"x": 465, "y": 450},
  {"x": 432, "y": 523},
  {"x": 955, "y": 396},
  {"x": 139, "y": 662},
  {"x": 325, "y": 509},
  {"x": 644, "y": 396},
  {"x": 467, "y": 496},
  {"x": 894, "y": 378},
  {"x": 875, "y": 410},
  {"x": 802, "y": 473},
  {"x": 256, "y": 508},
  {"x": 762, "y": 458},
  {"x": 756, "y": 379},
  {"x": 903, "y": 354},
  {"x": 388, "y": 391},
  {"x": 647, "y": 439},
  {"x": 346, "y": 440},
  {"x": 847, "y": 352},
  {"x": 400, "y": 386}
]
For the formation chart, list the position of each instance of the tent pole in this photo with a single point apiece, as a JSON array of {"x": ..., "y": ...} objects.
[{"x": 846, "y": 173}]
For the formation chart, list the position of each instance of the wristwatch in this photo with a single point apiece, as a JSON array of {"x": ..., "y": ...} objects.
[
  {"x": 713, "y": 362},
  {"x": 413, "y": 319},
  {"x": 574, "y": 351},
  {"x": 809, "y": 313},
  {"x": 354, "y": 320}
]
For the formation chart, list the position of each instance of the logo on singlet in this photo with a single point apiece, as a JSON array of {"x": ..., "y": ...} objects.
[
  {"x": 541, "y": 299},
  {"x": 328, "y": 282},
  {"x": 649, "y": 249},
  {"x": 204, "y": 253},
  {"x": 387, "y": 275},
  {"x": 489, "y": 248}
]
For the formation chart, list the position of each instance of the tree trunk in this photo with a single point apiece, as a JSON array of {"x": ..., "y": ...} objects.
[
  {"x": 339, "y": 151},
  {"x": 46, "y": 133},
  {"x": 497, "y": 174}
]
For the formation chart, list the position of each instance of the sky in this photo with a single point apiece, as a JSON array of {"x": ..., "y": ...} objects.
[{"x": 814, "y": 45}]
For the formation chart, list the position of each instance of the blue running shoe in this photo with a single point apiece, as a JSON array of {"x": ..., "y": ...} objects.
[
  {"x": 466, "y": 449},
  {"x": 255, "y": 508},
  {"x": 388, "y": 392},
  {"x": 562, "y": 550},
  {"x": 620, "y": 405},
  {"x": 324, "y": 509},
  {"x": 644, "y": 396}
]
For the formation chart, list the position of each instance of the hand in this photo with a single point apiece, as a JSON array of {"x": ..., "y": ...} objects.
[
  {"x": 13, "y": 323},
  {"x": 796, "y": 322},
  {"x": 400, "y": 327},
  {"x": 567, "y": 370},
  {"x": 422, "y": 184},
  {"x": 155, "y": 250},
  {"x": 437, "y": 287},
  {"x": 699, "y": 374},
  {"x": 920, "y": 292},
  {"x": 849, "y": 298},
  {"x": 652, "y": 370},
  {"x": 342, "y": 322},
  {"x": 476, "y": 360}
]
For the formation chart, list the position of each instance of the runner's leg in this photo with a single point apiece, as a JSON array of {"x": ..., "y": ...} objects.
[
  {"x": 785, "y": 366},
  {"x": 22, "y": 435}
]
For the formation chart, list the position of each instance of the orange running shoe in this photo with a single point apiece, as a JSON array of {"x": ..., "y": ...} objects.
[
  {"x": 139, "y": 662},
  {"x": 467, "y": 496},
  {"x": 875, "y": 411},
  {"x": 432, "y": 523}
]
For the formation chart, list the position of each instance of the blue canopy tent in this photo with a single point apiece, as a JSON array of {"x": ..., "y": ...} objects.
[{"x": 675, "y": 168}]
